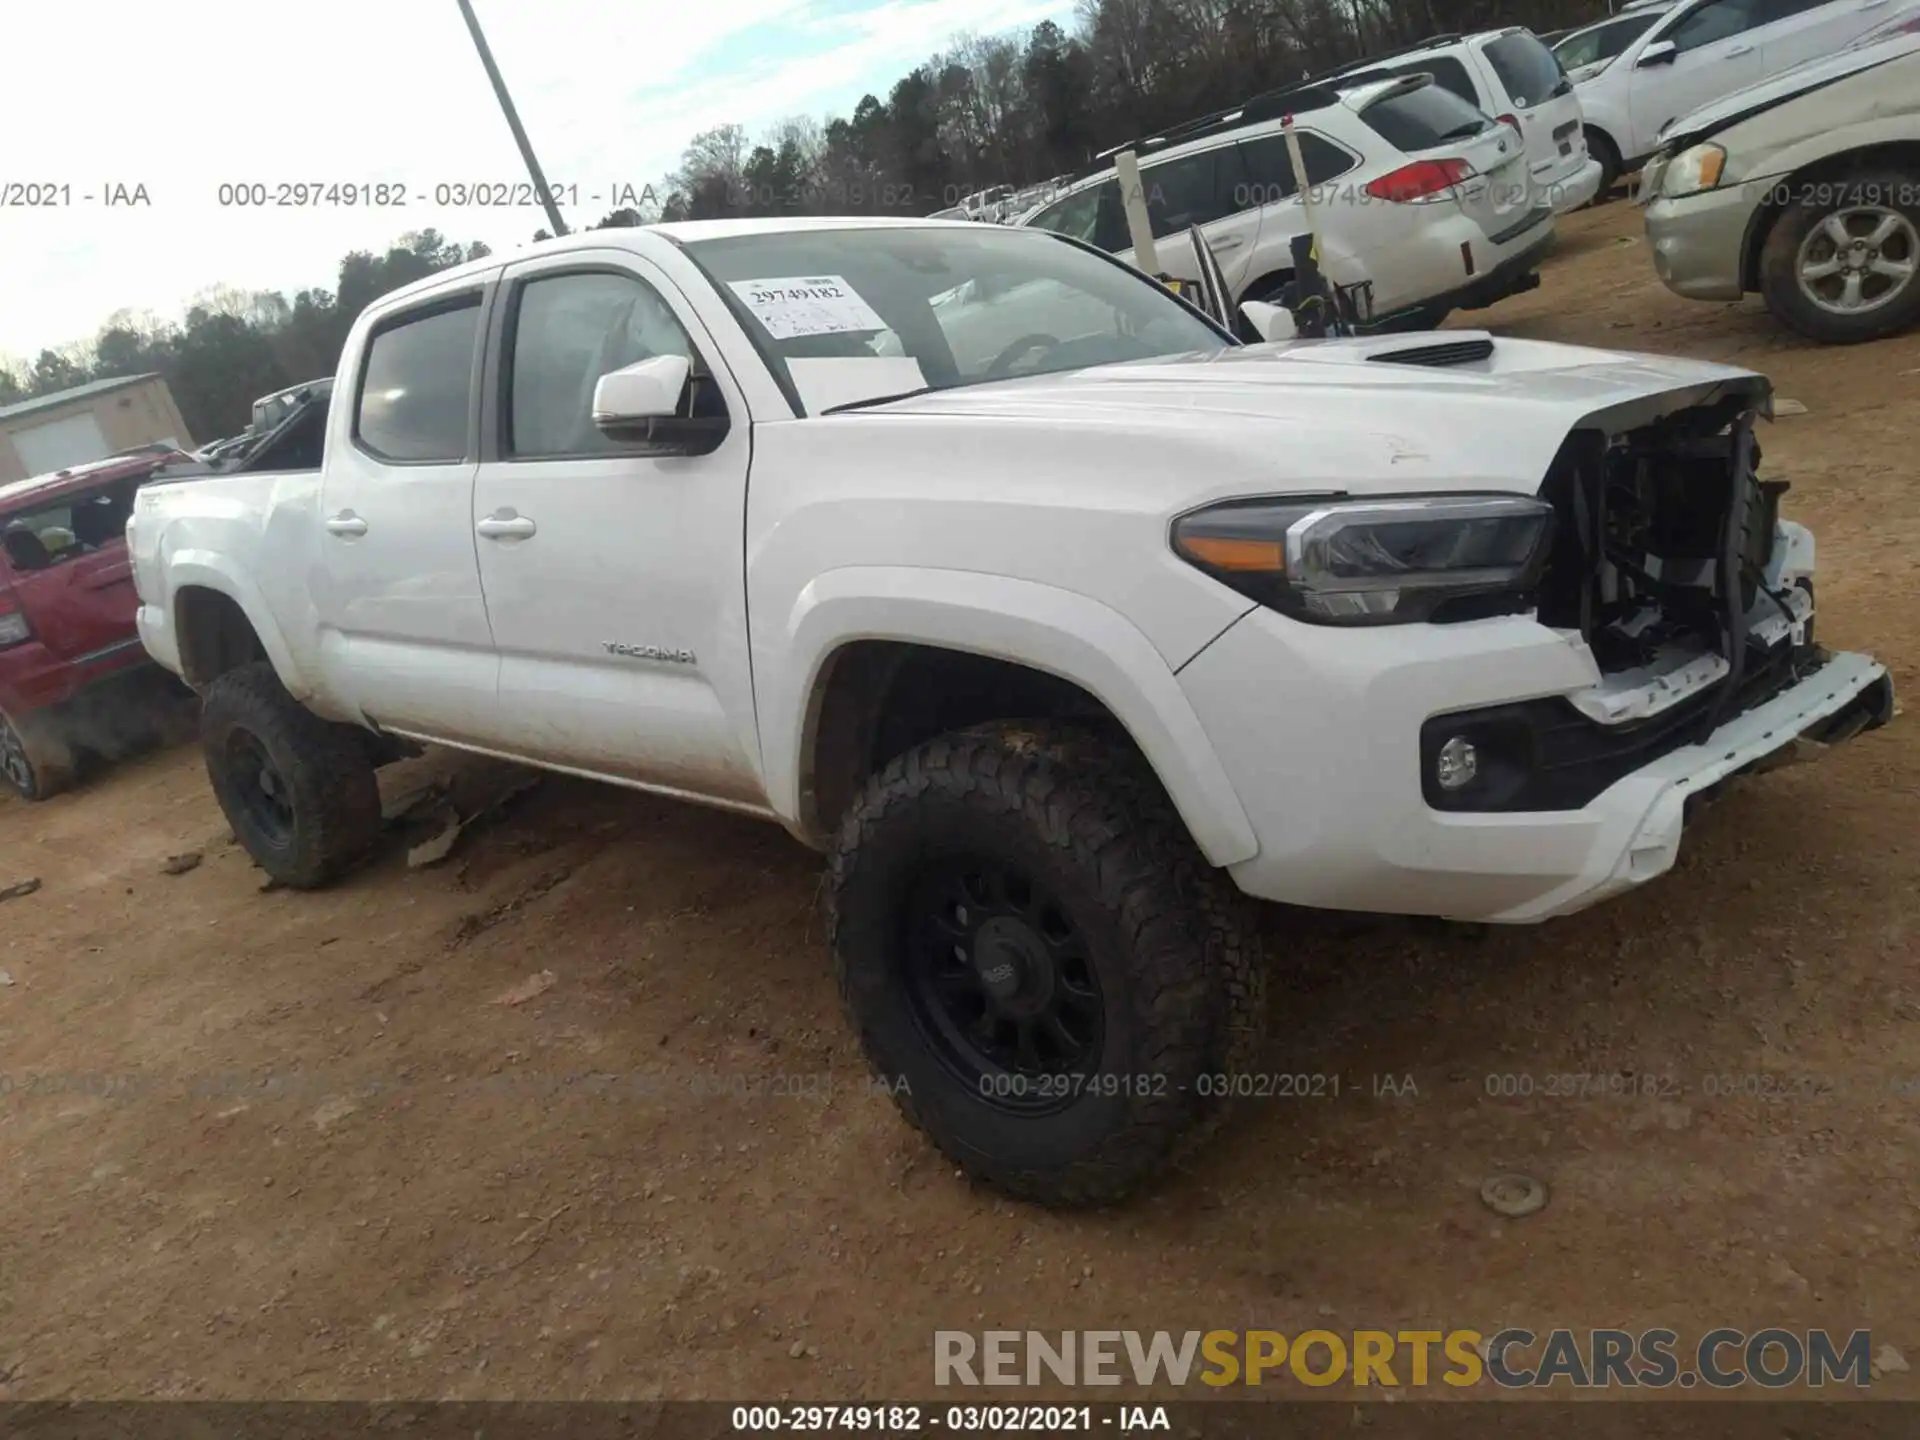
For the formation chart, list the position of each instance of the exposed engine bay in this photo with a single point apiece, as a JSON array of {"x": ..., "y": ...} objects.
[{"x": 1671, "y": 562}]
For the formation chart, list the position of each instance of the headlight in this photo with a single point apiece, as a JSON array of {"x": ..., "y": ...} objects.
[
  {"x": 1336, "y": 561},
  {"x": 1693, "y": 170}
]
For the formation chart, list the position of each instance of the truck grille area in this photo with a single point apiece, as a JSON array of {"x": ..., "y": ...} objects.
[
  {"x": 1659, "y": 556},
  {"x": 1662, "y": 537}
]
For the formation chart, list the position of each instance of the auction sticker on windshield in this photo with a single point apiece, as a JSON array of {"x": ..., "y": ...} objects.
[{"x": 799, "y": 305}]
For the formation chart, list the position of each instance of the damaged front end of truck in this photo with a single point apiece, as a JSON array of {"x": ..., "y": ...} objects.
[{"x": 1671, "y": 563}]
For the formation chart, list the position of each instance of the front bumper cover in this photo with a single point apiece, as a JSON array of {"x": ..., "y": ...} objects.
[
  {"x": 1698, "y": 240},
  {"x": 1849, "y": 695},
  {"x": 1319, "y": 734}
]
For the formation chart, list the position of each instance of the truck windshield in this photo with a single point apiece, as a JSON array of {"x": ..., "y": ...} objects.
[{"x": 850, "y": 316}]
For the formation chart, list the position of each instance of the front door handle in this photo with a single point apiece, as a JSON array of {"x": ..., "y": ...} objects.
[
  {"x": 506, "y": 524},
  {"x": 1227, "y": 242},
  {"x": 346, "y": 523},
  {"x": 1739, "y": 50}
]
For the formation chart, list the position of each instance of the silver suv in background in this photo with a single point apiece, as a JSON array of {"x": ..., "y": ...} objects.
[
  {"x": 1509, "y": 74},
  {"x": 1805, "y": 188},
  {"x": 1414, "y": 191}
]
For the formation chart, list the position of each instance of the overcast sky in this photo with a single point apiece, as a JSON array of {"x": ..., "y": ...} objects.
[{"x": 182, "y": 97}]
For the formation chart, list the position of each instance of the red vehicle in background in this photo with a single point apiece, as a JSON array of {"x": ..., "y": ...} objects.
[{"x": 73, "y": 675}]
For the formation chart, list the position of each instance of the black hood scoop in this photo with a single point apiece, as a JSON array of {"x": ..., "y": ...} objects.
[{"x": 1440, "y": 356}]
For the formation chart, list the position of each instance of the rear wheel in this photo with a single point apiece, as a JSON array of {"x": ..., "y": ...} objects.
[
  {"x": 1044, "y": 972},
  {"x": 1602, "y": 148},
  {"x": 36, "y": 761},
  {"x": 298, "y": 791},
  {"x": 1845, "y": 267}
]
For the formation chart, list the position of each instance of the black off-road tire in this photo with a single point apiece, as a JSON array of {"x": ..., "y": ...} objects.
[
  {"x": 324, "y": 779},
  {"x": 1899, "y": 194},
  {"x": 1173, "y": 945},
  {"x": 36, "y": 760}
]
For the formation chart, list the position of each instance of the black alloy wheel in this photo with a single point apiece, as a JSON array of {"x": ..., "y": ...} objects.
[{"x": 1000, "y": 983}]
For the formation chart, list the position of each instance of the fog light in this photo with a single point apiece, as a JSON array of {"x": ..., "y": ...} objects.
[{"x": 1457, "y": 763}]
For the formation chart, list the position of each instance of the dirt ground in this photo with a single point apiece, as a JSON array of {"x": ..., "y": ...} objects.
[{"x": 296, "y": 1145}]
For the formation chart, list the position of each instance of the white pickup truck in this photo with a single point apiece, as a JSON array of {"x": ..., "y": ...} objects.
[{"x": 1062, "y": 622}]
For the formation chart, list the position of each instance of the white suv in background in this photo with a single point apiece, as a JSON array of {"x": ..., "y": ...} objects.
[
  {"x": 1699, "y": 51},
  {"x": 1414, "y": 190},
  {"x": 1509, "y": 74}
]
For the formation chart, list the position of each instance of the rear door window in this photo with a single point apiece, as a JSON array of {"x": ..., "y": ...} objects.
[
  {"x": 1269, "y": 168},
  {"x": 1424, "y": 118},
  {"x": 1526, "y": 68},
  {"x": 1092, "y": 215},
  {"x": 415, "y": 391},
  {"x": 1193, "y": 190}
]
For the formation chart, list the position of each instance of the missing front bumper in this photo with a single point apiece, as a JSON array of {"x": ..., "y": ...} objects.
[
  {"x": 1547, "y": 754},
  {"x": 1850, "y": 695}
]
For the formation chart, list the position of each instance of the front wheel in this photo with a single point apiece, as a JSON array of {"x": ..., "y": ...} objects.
[
  {"x": 298, "y": 791},
  {"x": 1843, "y": 265},
  {"x": 36, "y": 761},
  {"x": 1043, "y": 971}
]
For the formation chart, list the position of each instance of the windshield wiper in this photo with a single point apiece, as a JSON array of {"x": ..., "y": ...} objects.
[
  {"x": 1464, "y": 131},
  {"x": 879, "y": 400}
]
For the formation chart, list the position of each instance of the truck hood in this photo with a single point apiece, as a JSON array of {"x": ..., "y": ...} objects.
[
  {"x": 1777, "y": 90},
  {"x": 1382, "y": 413}
]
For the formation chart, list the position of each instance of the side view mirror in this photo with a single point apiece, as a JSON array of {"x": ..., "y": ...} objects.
[
  {"x": 649, "y": 403},
  {"x": 1660, "y": 52},
  {"x": 1270, "y": 322}
]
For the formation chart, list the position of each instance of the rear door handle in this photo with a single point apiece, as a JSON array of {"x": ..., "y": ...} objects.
[
  {"x": 506, "y": 525},
  {"x": 1228, "y": 242},
  {"x": 346, "y": 523}
]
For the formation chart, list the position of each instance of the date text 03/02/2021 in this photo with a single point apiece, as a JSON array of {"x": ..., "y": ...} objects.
[
  {"x": 375, "y": 194},
  {"x": 956, "y": 1419}
]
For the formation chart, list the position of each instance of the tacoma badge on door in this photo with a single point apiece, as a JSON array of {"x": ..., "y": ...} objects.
[{"x": 649, "y": 652}]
